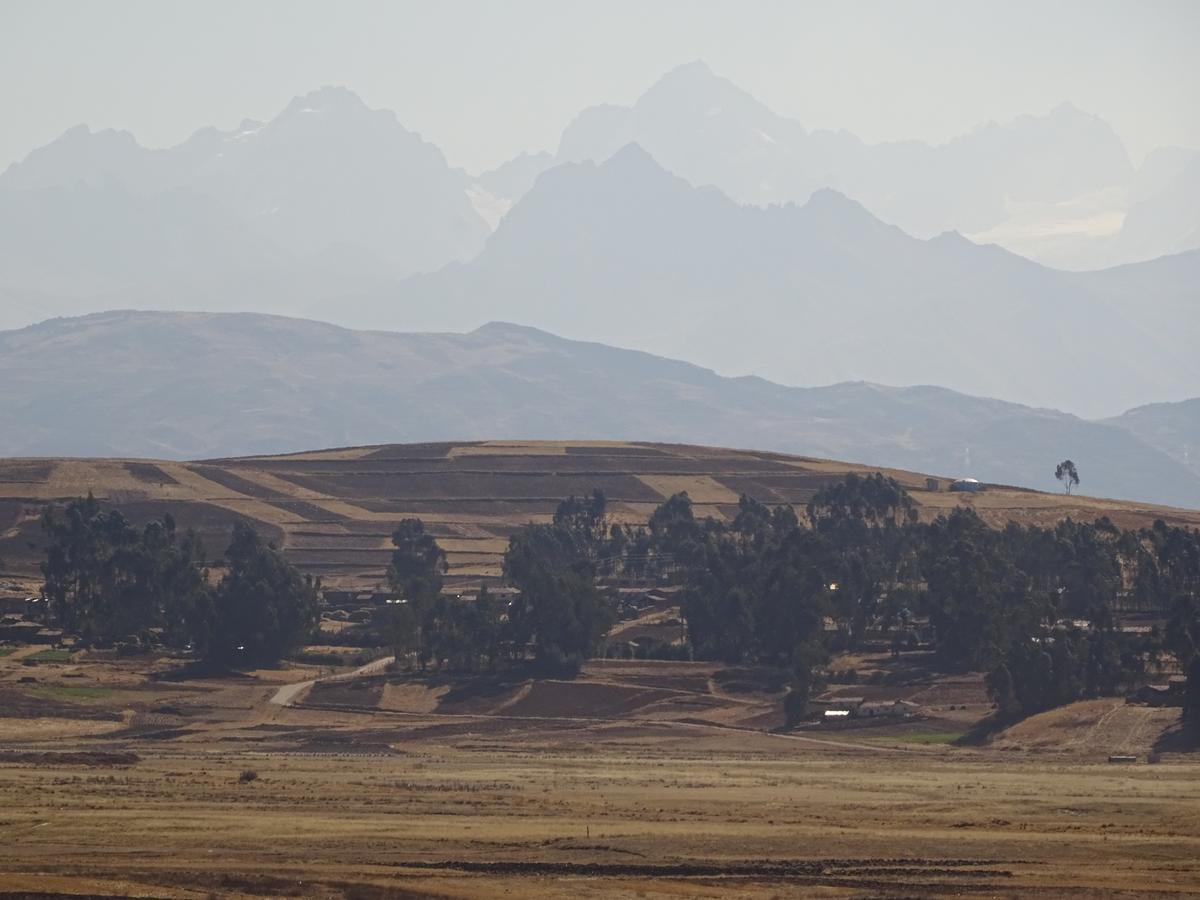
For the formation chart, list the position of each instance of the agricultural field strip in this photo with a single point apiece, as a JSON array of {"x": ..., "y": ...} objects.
[
  {"x": 701, "y": 488},
  {"x": 343, "y": 508},
  {"x": 286, "y": 697},
  {"x": 665, "y": 724},
  {"x": 211, "y": 492},
  {"x": 70, "y": 477}
]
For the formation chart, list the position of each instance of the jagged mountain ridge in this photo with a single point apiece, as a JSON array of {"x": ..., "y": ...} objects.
[
  {"x": 326, "y": 174},
  {"x": 627, "y": 253},
  {"x": 1054, "y": 187}
]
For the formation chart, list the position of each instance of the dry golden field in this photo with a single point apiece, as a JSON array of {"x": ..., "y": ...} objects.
[
  {"x": 647, "y": 779},
  {"x": 333, "y": 510}
]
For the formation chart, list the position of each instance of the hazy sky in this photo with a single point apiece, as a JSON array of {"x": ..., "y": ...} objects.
[{"x": 485, "y": 80}]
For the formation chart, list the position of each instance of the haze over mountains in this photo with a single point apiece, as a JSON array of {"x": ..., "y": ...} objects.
[
  {"x": 328, "y": 189},
  {"x": 626, "y": 253},
  {"x": 330, "y": 185},
  {"x": 709, "y": 131},
  {"x": 666, "y": 226},
  {"x": 322, "y": 211},
  {"x": 1173, "y": 428},
  {"x": 188, "y": 385},
  {"x": 1053, "y": 187}
]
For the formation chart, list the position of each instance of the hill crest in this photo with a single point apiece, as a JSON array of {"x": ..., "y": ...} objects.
[
  {"x": 333, "y": 510},
  {"x": 198, "y": 384}
]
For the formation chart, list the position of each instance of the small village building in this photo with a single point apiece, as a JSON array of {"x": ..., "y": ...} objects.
[
  {"x": 1073, "y": 625},
  {"x": 886, "y": 708},
  {"x": 13, "y": 605},
  {"x": 843, "y": 706},
  {"x": 1136, "y": 629},
  {"x": 18, "y": 630},
  {"x": 338, "y": 599},
  {"x": 966, "y": 485}
]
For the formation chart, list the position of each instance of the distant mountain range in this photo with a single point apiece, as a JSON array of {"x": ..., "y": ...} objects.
[
  {"x": 626, "y": 253},
  {"x": 335, "y": 211},
  {"x": 1164, "y": 211},
  {"x": 1053, "y": 187},
  {"x": 188, "y": 385},
  {"x": 331, "y": 199},
  {"x": 1173, "y": 428},
  {"x": 708, "y": 130},
  {"x": 326, "y": 178}
]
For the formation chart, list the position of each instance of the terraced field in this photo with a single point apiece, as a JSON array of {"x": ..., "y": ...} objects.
[{"x": 333, "y": 510}]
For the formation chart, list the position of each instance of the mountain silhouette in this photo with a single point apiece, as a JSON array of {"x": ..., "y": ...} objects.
[
  {"x": 627, "y": 253},
  {"x": 1019, "y": 180},
  {"x": 326, "y": 173},
  {"x": 186, "y": 385}
]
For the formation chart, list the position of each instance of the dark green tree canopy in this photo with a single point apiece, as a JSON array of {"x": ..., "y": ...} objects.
[
  {"x": 264, "y": 607},
  {"x": 558, "y": 609},
  {"x": 109, "y": 581},
  {"x": 418, "y": 564}
]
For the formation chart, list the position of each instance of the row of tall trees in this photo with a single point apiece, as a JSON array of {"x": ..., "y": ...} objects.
[
  {"x": 422, "y": 622},
  {"x": 557, "y": 619},
  {"x": 1034, "y": 607},
  {"x": 108, "y": 580}
]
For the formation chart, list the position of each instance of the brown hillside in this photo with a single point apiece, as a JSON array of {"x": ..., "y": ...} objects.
[
  {"x": 333, "y": 510},
  {"x": 1095, "y": 728}
]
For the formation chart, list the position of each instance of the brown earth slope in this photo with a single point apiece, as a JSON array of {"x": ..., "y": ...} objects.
[{"x": 333, "y": 510}]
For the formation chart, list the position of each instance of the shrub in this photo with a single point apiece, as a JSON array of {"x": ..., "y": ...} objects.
[
  {"x": 795, "y": 704},
  {"x": 553, "y": 662},
  {"x": 247, "y": 776}
]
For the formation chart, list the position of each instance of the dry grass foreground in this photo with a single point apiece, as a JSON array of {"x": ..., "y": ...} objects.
[
  {"x": 640, "y": 780},
  {"x": 333, "y": 510}
]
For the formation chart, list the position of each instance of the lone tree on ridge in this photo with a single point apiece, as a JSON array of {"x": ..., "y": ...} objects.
[{"x": 1066, "y": 472}]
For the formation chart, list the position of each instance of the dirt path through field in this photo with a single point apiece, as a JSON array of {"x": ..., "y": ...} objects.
[{"x": 286, "y": 695}]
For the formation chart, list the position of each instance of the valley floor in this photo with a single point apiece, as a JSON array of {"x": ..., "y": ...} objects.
[{"x": 512, "y": 795}]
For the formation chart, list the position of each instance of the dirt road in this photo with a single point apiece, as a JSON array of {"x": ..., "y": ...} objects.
[{"x": 287, "y": 694}]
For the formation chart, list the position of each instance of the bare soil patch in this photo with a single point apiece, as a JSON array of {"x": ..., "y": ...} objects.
[{"x": 69, "y": 758}]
